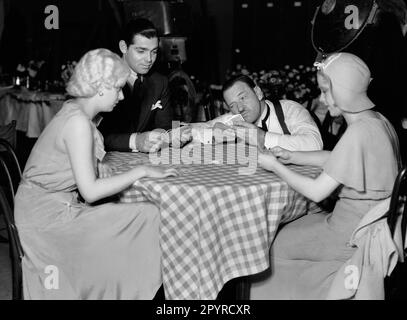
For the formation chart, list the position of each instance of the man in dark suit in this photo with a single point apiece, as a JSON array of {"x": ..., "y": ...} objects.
[{"x": 146, "y": 104}]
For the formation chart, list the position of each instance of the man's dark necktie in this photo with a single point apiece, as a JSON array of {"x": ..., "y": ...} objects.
[
  {"x": 264, "y": 121},
  {"x": 137, "y": 88},
  {"x": 136, "y": 101}
]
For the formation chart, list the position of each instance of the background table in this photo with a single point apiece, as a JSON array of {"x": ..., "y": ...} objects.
[
  {"x": 32, "y": 110},
  {"x": 216, "y": 224}
]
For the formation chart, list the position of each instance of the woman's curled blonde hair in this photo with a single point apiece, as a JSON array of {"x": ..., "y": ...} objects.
[{"x": 97, "y": 68}]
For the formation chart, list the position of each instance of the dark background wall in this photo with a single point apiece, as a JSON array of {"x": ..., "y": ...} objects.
[
  {"x": 222, "y": 33},
  {"x": 269, "y": 33},
  {"x": 256, "y": 33}
]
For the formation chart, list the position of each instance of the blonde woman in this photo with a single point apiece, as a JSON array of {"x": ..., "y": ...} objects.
[
  {"x": 74, "y": 250},
  {"x": 307, "y": 252}
]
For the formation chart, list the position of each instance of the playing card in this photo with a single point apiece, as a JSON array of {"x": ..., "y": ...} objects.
[
  {"x": 205, "y": 135},
  {"x": 237, "y": 117},
  {"x": 231, "y": 120}
]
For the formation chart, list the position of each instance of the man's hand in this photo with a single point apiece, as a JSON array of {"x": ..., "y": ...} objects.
[
  {"x": 150, "y": 141},
  {"x": 178, "y": 137},
  {"x": 266, "y": 160},
  {"x": 250, "y": 133},
  {"x": 223, "y": 132}
]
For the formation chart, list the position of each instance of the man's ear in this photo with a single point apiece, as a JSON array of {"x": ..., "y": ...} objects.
[
  {"x": 259, "y": 93},
  {"x": 123, "y": 46}
]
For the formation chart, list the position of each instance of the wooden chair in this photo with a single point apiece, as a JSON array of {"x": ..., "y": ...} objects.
[
  {"x": 16, "y": 251},
  {"x": 9, "y": 156},
  {"x": 396, "y": 284},
  {"x": 14, "y": 173},
  {"x": 8, "y": 132}
]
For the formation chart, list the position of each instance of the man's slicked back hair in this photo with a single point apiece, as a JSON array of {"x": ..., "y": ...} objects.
[
  {"x": 139, "y": 26},
  {"x": 238, "y": 78}
]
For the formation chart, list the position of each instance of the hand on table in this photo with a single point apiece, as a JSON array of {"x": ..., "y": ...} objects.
[
  {"x": 159, "y": 172},
  {"x": 223, "y": 132},
  {"x": 104, "y": 170},
  {"x": 283, "y": 155},
  {"x": 266, "y": 160},
  {"x": 250, "y": 133},
  {"x": 178, "y": 137},
  {"x": 150, "y": 141}
]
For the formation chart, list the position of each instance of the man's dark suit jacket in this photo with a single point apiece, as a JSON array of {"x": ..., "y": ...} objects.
[{"x": 134, "y": 114}]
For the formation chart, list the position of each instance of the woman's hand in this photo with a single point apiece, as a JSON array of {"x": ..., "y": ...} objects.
[
  {"x": 283, "y": 155},
  {"x": 158, "y": 172},
  {"x": 266, "y": 160},
  {"x": 104, "y": 170}
]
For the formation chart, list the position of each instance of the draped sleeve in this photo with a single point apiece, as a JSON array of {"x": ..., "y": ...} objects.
[{"x": 365, "y": 158}]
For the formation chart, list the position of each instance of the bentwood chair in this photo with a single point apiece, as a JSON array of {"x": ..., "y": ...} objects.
[
  {"x": 396, "y": 283},
  {"x": 14, "y": 170},
  {"x": 16, "y": 251},
  {"x": 8, "y": 132},
  {"x": 10, "y": 157}
]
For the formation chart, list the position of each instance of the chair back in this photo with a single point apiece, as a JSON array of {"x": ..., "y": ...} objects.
[
  {"x": 16, "y": 250},
  {"x": 398, "y": 203},
  {"x": 6, "y": 182},
  {"x": 8, "y": 132},
  {"x": 396, "y": 283},
  {"x": 9, "y": 156}
]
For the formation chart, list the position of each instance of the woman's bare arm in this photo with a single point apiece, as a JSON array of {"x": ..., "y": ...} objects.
[{"x": 78, "y": 140}]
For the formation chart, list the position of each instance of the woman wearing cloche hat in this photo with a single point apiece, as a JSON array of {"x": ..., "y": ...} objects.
[{"x": 307, "y": 252}]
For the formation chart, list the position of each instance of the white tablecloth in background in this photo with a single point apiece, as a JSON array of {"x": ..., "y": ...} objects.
[{"x": 32, "y": 110}]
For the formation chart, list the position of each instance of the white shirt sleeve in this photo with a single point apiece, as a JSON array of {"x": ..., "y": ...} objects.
[
  {"x": 132, "y": 142},
  {"x": 199, "y": 128},
  {"x": 223, "y": 118},
  {"x": 305, "y": 135}
]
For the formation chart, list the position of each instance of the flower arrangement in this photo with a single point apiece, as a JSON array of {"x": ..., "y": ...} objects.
[
  {"x": 67, "y": 70},
  {"x": 31, "y": 69},
  {"x": 294, "y": 83},
  {"x": 26, "y": 74}
]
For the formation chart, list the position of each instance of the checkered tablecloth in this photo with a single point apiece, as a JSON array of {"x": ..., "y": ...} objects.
[{"x": 217, "y": 223}]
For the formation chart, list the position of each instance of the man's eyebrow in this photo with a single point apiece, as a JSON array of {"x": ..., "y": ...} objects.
[{"x": 139, "y": 47}]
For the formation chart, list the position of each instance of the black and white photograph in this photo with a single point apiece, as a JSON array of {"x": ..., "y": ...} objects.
[{"x": 203, "y": 156}]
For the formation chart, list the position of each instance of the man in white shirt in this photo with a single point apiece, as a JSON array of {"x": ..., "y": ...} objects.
[{"x": 265, "y": 124}]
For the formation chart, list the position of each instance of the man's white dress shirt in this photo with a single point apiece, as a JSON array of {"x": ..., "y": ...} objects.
[{"x": 304, "y": 136}]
